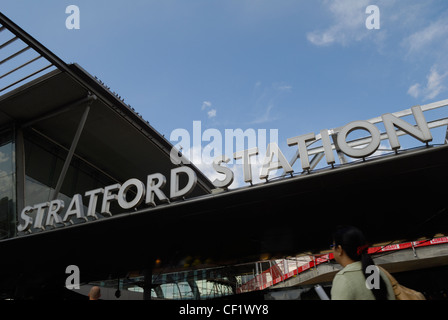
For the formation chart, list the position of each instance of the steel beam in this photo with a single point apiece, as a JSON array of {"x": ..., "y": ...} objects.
[
  {"x": 60, "y": 110},
  {"x": 71, "y": 152},
  {"x": 20, "y": 172}
]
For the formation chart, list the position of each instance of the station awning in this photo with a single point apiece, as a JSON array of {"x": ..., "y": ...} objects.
[{"x": 390, "y": 198}]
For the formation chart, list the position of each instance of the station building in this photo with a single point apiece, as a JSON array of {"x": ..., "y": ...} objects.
[{"x": 85, "y": 181}]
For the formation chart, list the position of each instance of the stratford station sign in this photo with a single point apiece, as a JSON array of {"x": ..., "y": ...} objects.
[{"x": 55, "y": 213}]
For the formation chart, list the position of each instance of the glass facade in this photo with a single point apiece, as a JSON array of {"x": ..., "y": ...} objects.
[
  {"x": 202, "y": 284},
  {"x": 210, "y": 283},
  {"x": 43, "y": 164},
  {"x": 7, "y": 185}
]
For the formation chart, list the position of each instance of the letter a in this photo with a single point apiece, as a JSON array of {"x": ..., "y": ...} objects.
[
  {"x": 72, "y": 281},
  {"x": 373, "y": 281},
  {"x": 373, "y": 21},
  {"x": 73, "y": 20}
]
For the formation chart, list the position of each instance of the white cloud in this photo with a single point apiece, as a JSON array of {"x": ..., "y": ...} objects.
[
  {"x": 265, "y": 116},
  {"x": 321, "y": 39},
  {"x": 435, "y": 84},
  {"x": 206, "y": 104},
  {"x": 211, "y": 113},
  {"x": 422, "y": 40},
  {"x": 414, "y": 90},
  {"x": 284, "y": 87},
  {"x": 5, "y": 183},
  {"x": 349, "y": 23},
  {"x": 429, "y": 43},
  {"x": 3, "y": 157},
  {"x": 266, "y": 99}
]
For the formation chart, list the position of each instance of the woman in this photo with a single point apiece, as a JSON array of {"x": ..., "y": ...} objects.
[{"x": 350, "y": 251}]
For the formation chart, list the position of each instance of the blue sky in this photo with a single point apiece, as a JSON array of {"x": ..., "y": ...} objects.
[{"x": 291, "y": 65}]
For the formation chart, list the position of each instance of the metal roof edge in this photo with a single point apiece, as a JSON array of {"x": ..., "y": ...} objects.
[{"x": 95, "y": 87}]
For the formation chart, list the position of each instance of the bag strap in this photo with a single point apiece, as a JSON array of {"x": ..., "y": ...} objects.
[{"x": 392, "y": 280}]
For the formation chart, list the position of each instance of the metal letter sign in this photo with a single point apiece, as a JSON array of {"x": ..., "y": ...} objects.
[
  {"x": 147, "y": 191},
  {"x": 115, "y": 192}
]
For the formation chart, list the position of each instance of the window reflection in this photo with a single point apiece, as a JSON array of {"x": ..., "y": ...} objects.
[
  {"x": 7, "y": 186},
  {"x": 43, "y": 163}
]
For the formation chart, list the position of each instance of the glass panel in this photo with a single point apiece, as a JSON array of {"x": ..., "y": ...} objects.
[
  {"x": 7, "y": 186},
  {"x": 43, "y": 164}
]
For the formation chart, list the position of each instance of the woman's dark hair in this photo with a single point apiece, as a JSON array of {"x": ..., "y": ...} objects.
[{"x": 352, "y": 240}]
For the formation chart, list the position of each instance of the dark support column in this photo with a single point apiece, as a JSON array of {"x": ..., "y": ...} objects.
[
  {"x": 194, "y": 286},
  {"x": 20, "y": 173},
  {"x": 147, "y": 284}
]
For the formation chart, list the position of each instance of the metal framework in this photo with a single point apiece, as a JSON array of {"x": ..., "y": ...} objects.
[
  {"x": 95, "y": 87},
  {"x": 23, "y": 59},
  {"x": 318, "y": 152},
  {"x": 19, "y": 60}
]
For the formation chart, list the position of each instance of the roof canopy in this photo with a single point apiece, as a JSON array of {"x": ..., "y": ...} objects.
[
  {"x": 52, "y": 102},
  {"x": 391, "y": 198}
]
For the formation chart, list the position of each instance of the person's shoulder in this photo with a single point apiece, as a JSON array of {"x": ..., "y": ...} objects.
[{"x": 353, "y": 267}]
